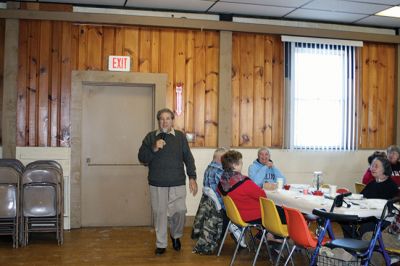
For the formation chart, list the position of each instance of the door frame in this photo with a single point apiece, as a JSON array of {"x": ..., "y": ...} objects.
[{"x": 155, "y": 81}]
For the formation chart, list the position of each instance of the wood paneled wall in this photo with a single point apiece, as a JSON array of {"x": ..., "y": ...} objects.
[
  {"x": 377, "y": 96},
  {"x": 257, "y": 90},
  {"x": 49, "y": 51}
]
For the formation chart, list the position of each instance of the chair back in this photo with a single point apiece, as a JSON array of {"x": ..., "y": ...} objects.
[
  {"x": 45, "y": 163},
  {"x": 298, "y": 228},
  {"x": 8, "y": 201},
  {"x": 42, "y": 175},
  {"x": 9, "y": 190},
  {"x": 359, "y": 187},
  {"x": 270, "y": 218},
  {"x": 232, "y": 212},
  {"x": 13, "y": 163}
]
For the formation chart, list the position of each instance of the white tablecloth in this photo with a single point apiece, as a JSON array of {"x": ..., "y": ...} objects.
[{"x": 306, "y": 203}]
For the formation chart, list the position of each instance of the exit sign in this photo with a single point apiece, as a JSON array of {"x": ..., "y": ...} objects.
[{"x": 119, "y": 63}]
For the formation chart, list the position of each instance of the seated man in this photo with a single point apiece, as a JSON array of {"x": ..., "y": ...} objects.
[{"x": 263, "y": 170}]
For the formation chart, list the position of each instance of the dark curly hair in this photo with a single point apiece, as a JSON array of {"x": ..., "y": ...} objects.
[
  {"x": 230, "y": 158},
  {"x": 376, "y": 154}
]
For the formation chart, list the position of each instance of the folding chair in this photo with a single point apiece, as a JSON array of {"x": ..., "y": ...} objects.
[
  {"x": 9, "y": 201},
  {"x": 42, "y": 199},
  {"x": 234, "y": 217},
  {"x": 361, "y": 249},
  {"x": 271, "y": 223},
  {"x": 359, "y": 187}
]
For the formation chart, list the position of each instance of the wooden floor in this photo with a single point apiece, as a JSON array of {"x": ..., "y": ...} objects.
[{"x": 116, "y": 246}]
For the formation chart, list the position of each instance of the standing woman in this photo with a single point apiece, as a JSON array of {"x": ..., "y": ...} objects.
[{"x": 393, "y": 154}]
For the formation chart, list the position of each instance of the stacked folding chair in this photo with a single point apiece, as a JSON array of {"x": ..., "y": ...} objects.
[
  {"x": 42, "y": 199},
  {"x": 10, "y": 176}
]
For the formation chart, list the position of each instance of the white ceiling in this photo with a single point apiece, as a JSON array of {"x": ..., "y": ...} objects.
[{"x": 351, "y": 12}]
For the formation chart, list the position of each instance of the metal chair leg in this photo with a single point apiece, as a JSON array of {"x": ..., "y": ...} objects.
[
  {"x": 223, "y": 239},
  {"x": 259, "y": 247},
  {"x": 290, "y": 255},
  {"x": 237, "y": 245}
]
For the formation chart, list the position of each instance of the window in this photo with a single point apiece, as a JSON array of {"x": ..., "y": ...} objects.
[{"x": 322, "y": 90}]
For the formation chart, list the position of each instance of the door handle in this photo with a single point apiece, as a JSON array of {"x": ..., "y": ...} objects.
[{"x": 88, "y": 160}]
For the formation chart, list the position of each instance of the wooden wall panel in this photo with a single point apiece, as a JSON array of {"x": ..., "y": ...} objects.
[
  {"x": 211, "y": 97},
  {"x": 50, "y": 50},
  {"x": 55, "y": 89},
  {"x": 43, "y": 88},
  {"x": 33, "y": 73},
  {"x": 189, "y": 83},
  {"x": 257, "y": 90},
  {"x": 378, "y": 96},
  {"x": 65, "y": 95},
  {"x": 22, "y": 103},
  {"x": 235, "y": 89}
]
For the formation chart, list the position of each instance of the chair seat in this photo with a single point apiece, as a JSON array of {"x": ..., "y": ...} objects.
[{"x": 350, "y": 244}]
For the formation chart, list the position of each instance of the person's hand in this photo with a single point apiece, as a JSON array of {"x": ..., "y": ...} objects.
[
  {"x": 159, "y": 144},
  {"x": 269, "y": 164},
  {"x": 193, "y": 186}
]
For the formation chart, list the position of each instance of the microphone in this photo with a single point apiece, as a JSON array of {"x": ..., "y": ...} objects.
[{"x": 163, "y": 134}]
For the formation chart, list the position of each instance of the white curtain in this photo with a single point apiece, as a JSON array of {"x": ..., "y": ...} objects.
[{"x": 322, "y": 96}]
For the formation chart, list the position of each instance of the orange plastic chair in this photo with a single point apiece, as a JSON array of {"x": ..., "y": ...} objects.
[
  {"x": 271, "y": 223},
  {"x": 342, "y": 190},
  {"x": 298, "y": 231},
  {"x": 234, "y": 217}
]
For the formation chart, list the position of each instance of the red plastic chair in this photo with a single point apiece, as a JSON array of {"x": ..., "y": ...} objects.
[
  {"x": 298, "y": 231},
  {"x": 342, "y": 190}
]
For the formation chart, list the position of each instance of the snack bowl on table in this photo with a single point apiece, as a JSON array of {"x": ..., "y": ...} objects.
[{"x": 318, "y": 193}]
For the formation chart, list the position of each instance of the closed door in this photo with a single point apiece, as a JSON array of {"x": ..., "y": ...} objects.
[{"x": 115, "y": 119}]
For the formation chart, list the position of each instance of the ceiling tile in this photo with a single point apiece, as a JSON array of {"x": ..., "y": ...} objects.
[
  {"x": 277, "y": 3},
  {"x": 188, "y": 5},
  {"x": 380, "y": 21},
  {"x": 316, "y": 15},
  {"x": 345, "y": 6},
  {"x": 116, "y": 3},
  {"x": 383, "y": 2},
  {"x": 250, "y": 9}
]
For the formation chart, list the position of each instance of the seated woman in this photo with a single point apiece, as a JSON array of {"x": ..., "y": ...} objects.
[
  {"x": 210, "y": 217},
  {"x": 382, "y": 187},
  {"x": 262, "y": 170},
  {"x": 243, "y": 191},
  {"x": 368, "y": 175},
  {"x": 393, "y": 155}
]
